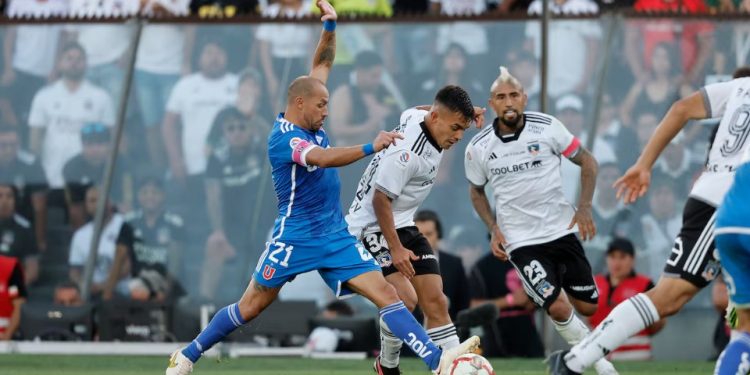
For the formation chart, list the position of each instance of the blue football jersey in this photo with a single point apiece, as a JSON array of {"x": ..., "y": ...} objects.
[
  {"x": 735, "y": 210},
  {"x": 308, "y": 196}
]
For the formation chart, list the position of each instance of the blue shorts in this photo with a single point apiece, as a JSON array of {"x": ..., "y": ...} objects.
[
  {"x": 734, "y": 253},
  {"x": 338, "y": 258}
]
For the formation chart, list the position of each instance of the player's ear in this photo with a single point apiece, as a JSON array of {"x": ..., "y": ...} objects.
[{"x": 299, "y": 102}]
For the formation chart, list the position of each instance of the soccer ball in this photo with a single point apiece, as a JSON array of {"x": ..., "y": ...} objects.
[{"x": 471, "y": 364}]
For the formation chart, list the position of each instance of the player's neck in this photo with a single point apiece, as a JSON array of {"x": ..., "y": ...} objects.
[
  {"x": 294, "y": 117},
  {"x": 503, "y": 129}
]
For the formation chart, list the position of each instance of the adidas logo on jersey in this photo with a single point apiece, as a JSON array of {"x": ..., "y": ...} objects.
[{"x": 493, "y": 156}]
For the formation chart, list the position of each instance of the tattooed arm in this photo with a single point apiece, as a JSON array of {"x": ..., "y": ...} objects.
[{"x": 326, "y": 50}]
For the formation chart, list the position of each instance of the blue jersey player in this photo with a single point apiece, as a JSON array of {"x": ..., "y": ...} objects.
[
  {"x": 310, "y": 232},
  {"x": 733, "y": 242}
]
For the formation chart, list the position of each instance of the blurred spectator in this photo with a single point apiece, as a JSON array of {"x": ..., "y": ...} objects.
[
  {"x": 694, "y": 38},
  {"x": 676, "y": 163},
  {"x": 364, "y": 106},
  {"x": 29, "y": 54},
  {"x": 88, "y": 168},
  {"x": 468, "y": 243},
  {"x": 513, "y": 334},
  {"x": 223, "y": 8},
  {"x": 460, "y": 8},
  {"x": 618, "y": 284},
  {"x": 82, "y": 238},
  {"x": 16, "y": 236},
  {"x": 611, "y": 217},
  {"x": 191, "y": 109},
  {"x": 36, "y": 8},
  {"x": 284, "y": 47},
  {"x": 525, "y": 68},
  {"x": 381, "y": 8},
  {"x": 324, "y": 339},
  {"x": 21, "y": 169},
  {"x": 67, "y": 294},
  {"x": 12, "y": 296},
  {"x": 162, "y": 8},
  {"x": 105, "y": 46},
  {"x": 659, "y": 225},
  {"x": 106, "y": 8},
  {"x": 59, "y": 111},
  {"x": 568, "y": 7},
  {"x": 150, "y": 246},
  {"x": 238, "y": 199},
  {"x": 454, "y": 69},
  {"x": 618, "y": 135},
  {"x": 455, "y": 283},
  {"x": 658, "y": 92},
  {"x": 574, "y": 48},
  {"x": 646, "y": 123},
  {"x": 164, "y": 53},
  {"x": 728, "y": 6},
  {"x": 615, "y": 4},
  {"x": 411, "y": 6}
]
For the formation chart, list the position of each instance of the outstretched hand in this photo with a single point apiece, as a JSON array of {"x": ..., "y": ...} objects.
[
  {"x": 633, "y": 184},
  {"x": 385, "y": 139},
  {"x": 326, "y": 10}
]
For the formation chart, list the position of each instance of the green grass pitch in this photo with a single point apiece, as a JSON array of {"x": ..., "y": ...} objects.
[{"x": 129, "y": 365}]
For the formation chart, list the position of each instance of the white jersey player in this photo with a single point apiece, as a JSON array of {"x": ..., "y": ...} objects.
[
  {"x": 534, "y": 226},
  {"x": 392, "y": 188},
  {"x": 691, "y": 265}
]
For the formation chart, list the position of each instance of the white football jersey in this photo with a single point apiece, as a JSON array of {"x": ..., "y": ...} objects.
[
  {"x": 404, "y": 172},
  {"x": 524, "y": 172},
  {"x": 730, "y": 101}
]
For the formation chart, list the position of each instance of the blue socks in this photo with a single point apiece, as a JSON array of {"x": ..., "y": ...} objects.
[
  {"x": 735, "y": 359},
  {"x": 221, "y": 325},
  {"x": 403, "y": 325}
]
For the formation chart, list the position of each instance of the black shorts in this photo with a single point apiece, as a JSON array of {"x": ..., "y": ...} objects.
[
  {"x": 547, "y": 268},
  {"x": 692, "y": 258},
  {"x": 410, "y": 237}
]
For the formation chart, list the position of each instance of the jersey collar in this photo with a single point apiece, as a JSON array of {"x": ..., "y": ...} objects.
[
  {"x": 429, "y": 137},
  {"x": 506, "y": 138}
]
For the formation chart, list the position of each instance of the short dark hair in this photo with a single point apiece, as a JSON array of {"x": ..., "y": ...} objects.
[
  {"x": 341, "y": 308},
  {"x": 742, "y": 72},
  {"x": 429, "y": 215},
  {"x": 456, "y": 99},
  {"x": 367, "y": 59}
]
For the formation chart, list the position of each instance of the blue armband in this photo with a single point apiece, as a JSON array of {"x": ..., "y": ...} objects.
[
  {"x": 368, "y": 149},
  {"x": 329, "y": 25}
]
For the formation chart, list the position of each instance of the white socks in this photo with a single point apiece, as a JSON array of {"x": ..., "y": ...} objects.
[
  {"x": 445, "y": 336},
  {"x": 573, "y": 330},
  {"x": 390, "y": 346},
  {"x": 625, "y": 320}
]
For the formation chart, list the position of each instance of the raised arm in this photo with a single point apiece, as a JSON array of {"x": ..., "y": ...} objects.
[
  {"x": 326, "y": 50},
  {"x": 341, "y": 156}
]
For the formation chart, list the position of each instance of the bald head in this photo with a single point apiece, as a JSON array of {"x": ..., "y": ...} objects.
[{"x": 303, "y": 86}]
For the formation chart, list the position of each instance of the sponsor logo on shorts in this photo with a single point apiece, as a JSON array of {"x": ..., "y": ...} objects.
[
  {"x": 429, "y": 256},
  {"x": 384, "y": 259},
  {"x": 268, "y": 272},
  {"x": 583, "y": 288},
  {"x": 545, "y": 289}
]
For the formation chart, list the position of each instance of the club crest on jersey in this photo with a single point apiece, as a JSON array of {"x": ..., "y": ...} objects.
[
  {"x": 268, "y": 272},
  {"x": 533, "y": 149}
]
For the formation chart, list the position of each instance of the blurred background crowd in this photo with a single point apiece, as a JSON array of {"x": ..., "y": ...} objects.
[{"x": 191, "y": 201}]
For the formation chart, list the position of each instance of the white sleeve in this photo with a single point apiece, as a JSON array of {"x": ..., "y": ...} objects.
[
  {"x": 38, "y": 116},
  {"x": 473, "y": 165},
  {"x": 176, "y": 100},
  {"x": 395, "y": 171},
  {"x": 411, "y": 113},
  {"x": 77, "y": 250},
  {"x": 563, "y": 141},
  {"x": 715, "y": 98}
]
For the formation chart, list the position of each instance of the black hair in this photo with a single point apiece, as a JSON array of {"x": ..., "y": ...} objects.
[
  {"x": 341, "y": 308},
  {"x": 742, "y": 72},
  {"x": 429, "y": 215},
  {"x": 367, "y": 59},
  {"x": 456, "y": 99}
]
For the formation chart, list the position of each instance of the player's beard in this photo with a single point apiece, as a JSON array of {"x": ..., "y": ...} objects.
[{"x": 513, "y": 124}]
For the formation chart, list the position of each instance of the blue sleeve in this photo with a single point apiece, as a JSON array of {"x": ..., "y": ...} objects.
[{"x": 289, "y": 147}]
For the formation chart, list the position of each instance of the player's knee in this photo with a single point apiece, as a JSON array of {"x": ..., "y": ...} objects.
[
  {"x": 560, "y": 310},
  {"x": 410, "y": 301},
  {"x": 388, "y": 293},
  {"x": 586, "y": 309},
  {"x": 670, "y": 297},
  {"x": 435, "y": 306}
]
